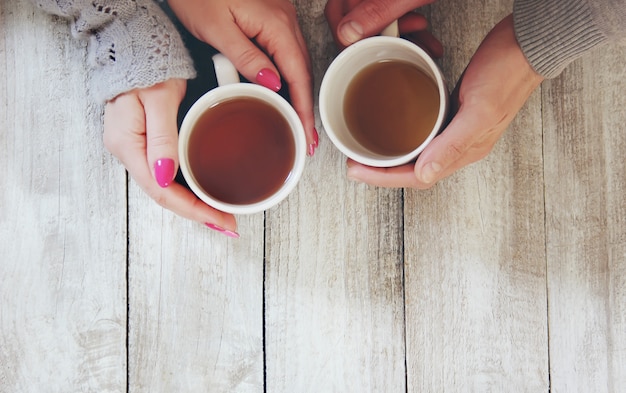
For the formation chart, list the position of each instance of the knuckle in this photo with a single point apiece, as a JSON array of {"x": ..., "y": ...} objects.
[
  {"x": 482, "y": 154},
  {"x": 482, "y": 150},
  {"x": 287, "y": 14},
  {"x": 247, "y": 57},
  {"x": 456, "y": 148},
  {"x": 162, "y": 139},
  {"x": 489, "y": 109},
  {"x": 122, "y": 132},
  {"x": 376, "y": 11},
  {"x": 112, "y": 144},
  {"x": 158, "y": 195}
]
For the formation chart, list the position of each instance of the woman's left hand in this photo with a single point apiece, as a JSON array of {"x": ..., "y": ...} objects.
[{"x": 140, "y": 130}]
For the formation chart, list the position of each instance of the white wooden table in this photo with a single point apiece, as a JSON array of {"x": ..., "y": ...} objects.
[{"x": 508, "y": 276}]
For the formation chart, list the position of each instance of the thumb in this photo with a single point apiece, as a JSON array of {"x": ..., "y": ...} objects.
[
  {"x": 370, "y": 17},
  {"x": 439, "y": 158},
  {"x": 160, "y": 103}
]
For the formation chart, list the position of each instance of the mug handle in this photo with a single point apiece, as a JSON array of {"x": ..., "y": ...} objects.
[
  {"x": 225, "y": 71},
  {"x": 391, "y": 30}
]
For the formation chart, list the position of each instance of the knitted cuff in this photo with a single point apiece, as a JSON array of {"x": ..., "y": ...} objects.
[
  {"x": 136, "y": 50},
  {"x": 553, "y": 33}
]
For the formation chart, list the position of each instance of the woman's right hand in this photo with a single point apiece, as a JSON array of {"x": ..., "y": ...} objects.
[
  {"x": 140, "y": 129},
  {"x": 263, "y": 40}
]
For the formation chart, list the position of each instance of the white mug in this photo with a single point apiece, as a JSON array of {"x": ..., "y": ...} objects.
[
  {"x": 230, "y": 87},
  {"x": 340, "y": 74}
]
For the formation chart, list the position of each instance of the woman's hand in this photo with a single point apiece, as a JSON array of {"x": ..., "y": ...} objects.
[
  {"x": 263, "y": 40},
  {"x": 140, "y": 129},
  {"x": 494, "y": 87}
]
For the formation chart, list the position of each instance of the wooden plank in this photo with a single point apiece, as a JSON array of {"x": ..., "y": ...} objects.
[
  {"x": 475, "y": 259},
  {"x": 62, "y": 217},
  {"x": 334, "y": 312},
  {"x": 195, "y": 296},
  {"x": 585, "y": 174},
  {"x": 195, "y": 304},
  {"x": 334, "y": 298}
]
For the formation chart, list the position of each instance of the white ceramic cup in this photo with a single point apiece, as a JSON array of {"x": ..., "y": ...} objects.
[
  {"x": 230, "y": 87},
  {"x": 341, "y": 72}
]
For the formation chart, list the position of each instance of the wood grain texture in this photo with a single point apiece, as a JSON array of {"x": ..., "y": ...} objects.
[
  {"x": 334, "y": 298},
  {"x": 62, "y": 218},
  {"x": 509, "y": 275},
  {"x": 476, "y": 311},
  {"x": 196, "y": 301},
  {"x": 195, "y": 295},
  {"x": 585, "y": 146}
]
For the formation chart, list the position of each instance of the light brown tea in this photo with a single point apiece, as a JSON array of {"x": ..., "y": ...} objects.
[
  {"x": 241, "y": 150},
  {"x": 391, "y": 107}
]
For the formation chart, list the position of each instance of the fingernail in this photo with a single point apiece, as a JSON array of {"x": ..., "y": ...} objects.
[
  {"x": 315, "y": 144},
  {"x": 351, "y": 31},
  {"x": 350, "y": 172},
  {"x": 226, "y": 232},
  {"x": 350, "y": 176},
  {"x": 164, "y": 171},
  {"x": 430, "y": 172},
  {"x": 269, "y": 79}
]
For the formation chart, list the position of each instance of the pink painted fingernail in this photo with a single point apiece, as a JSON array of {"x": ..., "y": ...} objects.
[
  {"x": 269, "y": 79},
  {"x": 164, "y": 171},
  {"x": 226, "y": 232}
]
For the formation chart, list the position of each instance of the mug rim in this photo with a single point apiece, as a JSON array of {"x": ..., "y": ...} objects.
[
  {"x": 233, "y": 91},
  {"x": 344, "y": 57}
]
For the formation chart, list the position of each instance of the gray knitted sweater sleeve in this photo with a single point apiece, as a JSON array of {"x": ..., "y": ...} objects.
[
  {"x": 132, "y": 43},
  {"x": 553, "y": 33}
]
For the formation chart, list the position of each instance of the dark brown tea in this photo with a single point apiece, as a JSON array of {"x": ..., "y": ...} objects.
[
  {"x": 391, "y": 107},
  {"x": 241, "y": 150}
]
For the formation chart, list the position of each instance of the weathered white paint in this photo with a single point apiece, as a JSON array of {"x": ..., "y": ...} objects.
[
  {"x": 509, "y": 275},
  {"x": 62, "y": 218}
]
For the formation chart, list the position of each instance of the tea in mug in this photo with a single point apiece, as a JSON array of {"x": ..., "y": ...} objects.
[
  {"x": 391, "y": 107},
  {"x": 241, "y": 150}
]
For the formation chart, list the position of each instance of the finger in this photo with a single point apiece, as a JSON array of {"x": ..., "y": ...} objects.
[
  {"x": 292, "y": 58},
  {"x": 404, "y": 176},
  {"x": 160, "y": 104},
  {"x": 124, "y": 128},
  {"x": 334, "y": 12},
  {"x": 400, "y": 176},
  {"x": 249, "y": 60},
  {"x": 474, "y": 154},
  {"x": 412, "y": 22},
  {"x": 427, "y": 41},
  {"x": 124, "y": 137},
  {"x": 413, "y": 27},
  {"x": 283, "y": 42},
  {"x": 371, "y": 16},
  {"x": 465, "y": 129},
  {"x": 184, "y": 203}
]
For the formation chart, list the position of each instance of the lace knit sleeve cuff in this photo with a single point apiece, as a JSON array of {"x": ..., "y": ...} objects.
[
  {"x": 553, "y": 33},
  {"x": 137, "y": 51},
  {"x": 133, "y": 43}
]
